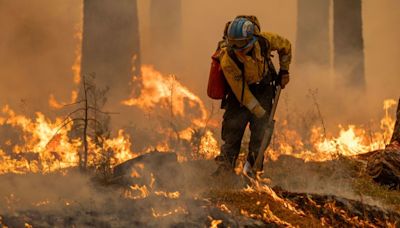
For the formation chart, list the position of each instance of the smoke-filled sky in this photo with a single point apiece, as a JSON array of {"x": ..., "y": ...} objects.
[
  {"x": 37, "y": 47},
  {"x": 36, "y": 51}
]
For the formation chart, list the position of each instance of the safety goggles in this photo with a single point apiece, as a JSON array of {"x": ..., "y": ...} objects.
[{"x": 240, "y": 44}]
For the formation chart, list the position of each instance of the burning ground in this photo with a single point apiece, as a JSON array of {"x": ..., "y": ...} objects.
[
  {"x": 159, "y": 191},
  {"x": 312, "y": 177}
]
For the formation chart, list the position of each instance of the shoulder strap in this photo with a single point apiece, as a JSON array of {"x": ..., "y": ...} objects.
[
  {"x": 235, "y": 59},
  {"x": 264, "y": 45},
  {"x": 239, "y": 64}
]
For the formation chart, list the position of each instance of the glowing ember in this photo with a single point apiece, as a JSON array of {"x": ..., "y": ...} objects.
[
  {"x": 179, "y": 210},
  {"x": 215, "y": 223},
  {"x": 170, "y": 195},
  {"x": 224, "y": 208},
  {"x": 137, "y": 192}
]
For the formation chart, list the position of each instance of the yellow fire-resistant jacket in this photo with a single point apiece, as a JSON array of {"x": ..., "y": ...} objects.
[{"x": 254, "y": 66}]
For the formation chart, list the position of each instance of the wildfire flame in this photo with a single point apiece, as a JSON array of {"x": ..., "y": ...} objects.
[
  {"x": 166, "y": 93},
  {"x": 45, "y": 147},
  {"x": 351, "y": 140}
]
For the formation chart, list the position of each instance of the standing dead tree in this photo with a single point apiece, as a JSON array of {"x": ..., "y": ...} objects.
[
  {"x": 88, "y": 119},
  {"x": 384, "y": 166},
  {"x": 165, "y": 34},
  {"x": 111, "y": 44},
  {"x": 313, "y": 32},
  {"x": 349, "y": 42},
  {"x": 396, "y": 131}
]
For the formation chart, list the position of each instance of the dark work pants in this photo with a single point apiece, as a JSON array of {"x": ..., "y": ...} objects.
[{"x": 236, "y": 118}]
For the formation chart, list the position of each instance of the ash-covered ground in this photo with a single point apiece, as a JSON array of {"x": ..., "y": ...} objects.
[{"x": 155, "y": 190}]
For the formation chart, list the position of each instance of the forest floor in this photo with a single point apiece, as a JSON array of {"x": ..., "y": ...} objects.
[{"x": 304, "y": 194}]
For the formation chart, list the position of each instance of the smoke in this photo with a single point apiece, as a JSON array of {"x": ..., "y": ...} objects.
[
  {"x": 171, "y": 196},
  {"x": 36, "y": 51},
  {"x": 202, "y": 27}
]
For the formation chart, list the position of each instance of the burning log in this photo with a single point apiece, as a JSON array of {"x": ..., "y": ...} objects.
[
  {"x": 159, "y": 167},
  {"x": 384, "y": 166},
  {"x": 352, "y": 213}
]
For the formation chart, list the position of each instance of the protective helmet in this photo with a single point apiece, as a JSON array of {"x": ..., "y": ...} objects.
[{"x": 241, "y": 33}]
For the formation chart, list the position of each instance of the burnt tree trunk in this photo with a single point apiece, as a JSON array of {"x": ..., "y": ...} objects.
[
  {"x": 313, "y": 32},
  {"x": 396, "y": 132},
  {"x": 111, "y": 47},
  {"x": 165, "y": 34},
  {"x": 348, "y": 43},
  {"x": 384, "y": 166}
]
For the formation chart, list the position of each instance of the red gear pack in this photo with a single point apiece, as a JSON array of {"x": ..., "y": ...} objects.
[{"x": 217, "y": 85}]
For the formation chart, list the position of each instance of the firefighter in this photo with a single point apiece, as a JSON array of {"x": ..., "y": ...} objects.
[{"x": 245, "y": 62}]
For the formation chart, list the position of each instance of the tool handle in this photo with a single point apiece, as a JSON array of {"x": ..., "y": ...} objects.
[
  {"x": 267, "y": 139},
  {"x": 275, "y": 104}
]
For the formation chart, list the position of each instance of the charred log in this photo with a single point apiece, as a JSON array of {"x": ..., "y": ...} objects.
[
  {"x": 353, "y": 213},
  {"x": 163, "y": 168}
]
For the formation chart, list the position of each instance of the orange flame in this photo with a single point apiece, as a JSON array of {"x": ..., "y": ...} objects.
[
  {"x": 351, "y": 140},
  {"x": 168, "y": 94},
  {"x": 46, "y": 147}
]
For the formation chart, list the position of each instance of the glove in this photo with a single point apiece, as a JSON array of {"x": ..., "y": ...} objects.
[
  {"x": 258, "y": 111},
  {"x": 284, "y": 78}
]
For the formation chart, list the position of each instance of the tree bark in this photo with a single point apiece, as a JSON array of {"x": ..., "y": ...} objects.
[
  {"x": 111, "y": 47},
  {"x": 396, "y": 131},
  {"x": 165, "y": 34},
  {"x": 348, "y": 43},
  {"x": 313, "y": 32}
]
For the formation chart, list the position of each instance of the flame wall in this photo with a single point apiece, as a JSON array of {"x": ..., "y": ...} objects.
[{"x": 37, "y": 51}]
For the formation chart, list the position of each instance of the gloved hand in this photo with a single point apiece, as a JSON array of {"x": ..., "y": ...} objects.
[
  {"x": 258, "y": 111},
  {"x": 284, "y": 78}
]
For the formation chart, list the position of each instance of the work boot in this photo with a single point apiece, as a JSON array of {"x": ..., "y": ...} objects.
[{"x": 224, "y": 169}]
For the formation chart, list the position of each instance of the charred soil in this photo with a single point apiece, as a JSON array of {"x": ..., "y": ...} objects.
[{"x": 146, "y": 197}]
